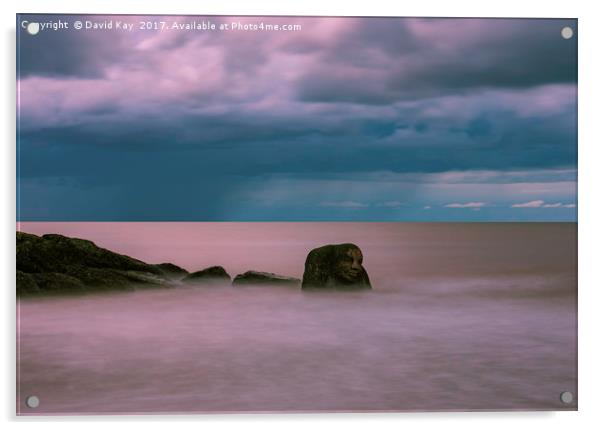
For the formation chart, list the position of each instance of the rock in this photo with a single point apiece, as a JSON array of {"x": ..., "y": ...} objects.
[
  {"x": 56, "y": 253},
  {"x": 264, "y": 278},
  {"x": 214, "y": 274},
  {"x": 55, "y": 282},
  {"x": 26, "y": 283},
  {"x": 335, "y": 267},
  {"x": 54, "y": 263},
  {"x": 171, "y": 270}
]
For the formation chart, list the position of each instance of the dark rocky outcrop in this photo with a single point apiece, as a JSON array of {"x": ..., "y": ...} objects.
[
  {"x": 336, "y": 267},
  {"x": 214, "y": 274},
  {"x": 55, "y": 263},
  {"x": 57, "y": 253},
  {"x": 264, "y": 278},
  {"x": 171, "y": 270},
  {"x": 26, "y": 283}
]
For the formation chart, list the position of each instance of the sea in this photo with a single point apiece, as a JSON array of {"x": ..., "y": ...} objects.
[{"x": 462, "y": 316}]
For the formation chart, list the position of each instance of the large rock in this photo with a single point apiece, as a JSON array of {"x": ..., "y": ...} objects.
[
  {"x": 54, "y": 263},
  {"x": 335, "y": 267},
  {"x": 214, "y": 274},
  {"x": 56, "y": 253},
  {"x": 264, "y": 278}
]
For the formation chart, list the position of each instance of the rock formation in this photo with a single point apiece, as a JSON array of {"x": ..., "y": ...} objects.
[
  {"x": 58, "y": 264},
  {"x": 55, "y": 263},
  {"x": 171, "y": 270},
  {"x": 335, "y": 267},
  {"x": 214, "y": 274},
  {"x": 264, "y": 278}
]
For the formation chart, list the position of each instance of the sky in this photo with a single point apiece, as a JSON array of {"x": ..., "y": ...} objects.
[{"x": 342, "y": 119}]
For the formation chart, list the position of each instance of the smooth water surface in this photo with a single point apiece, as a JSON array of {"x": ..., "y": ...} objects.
[{"x": 461, "y": 317}]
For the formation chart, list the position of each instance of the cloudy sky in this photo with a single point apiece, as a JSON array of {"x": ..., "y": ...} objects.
[{"x": 357, "y": 119}]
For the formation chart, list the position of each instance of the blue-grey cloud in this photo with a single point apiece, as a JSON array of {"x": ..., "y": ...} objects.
[
  {"x": 342, "y": 123},
  {"x": 508, "y": 54}
]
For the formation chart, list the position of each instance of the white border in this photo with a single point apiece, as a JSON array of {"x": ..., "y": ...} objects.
[{"x": 590, "y": 298}]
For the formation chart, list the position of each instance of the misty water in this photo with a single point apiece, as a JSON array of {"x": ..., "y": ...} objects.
[{"x": 461, "y": 317}]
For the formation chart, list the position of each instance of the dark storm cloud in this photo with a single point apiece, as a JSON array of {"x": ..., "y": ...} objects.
[
  {"x": 72, "y": 53},
  {"x": 66, "y": 53},
  {"x": 427, "y": 58},
  {"x": 255, "y": 146},
  {"x": 211, "y": 126}
]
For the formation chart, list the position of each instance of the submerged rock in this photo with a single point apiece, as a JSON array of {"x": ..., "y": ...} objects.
[
  {"x": 214, "y": 274},
  {"x": 335, "y": 267},
  {"x": 264, "y": 278},
  {"x": 56, "y": 263}
]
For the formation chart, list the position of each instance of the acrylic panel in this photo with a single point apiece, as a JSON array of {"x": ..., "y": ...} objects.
[{"x": 295, "y": 214}]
